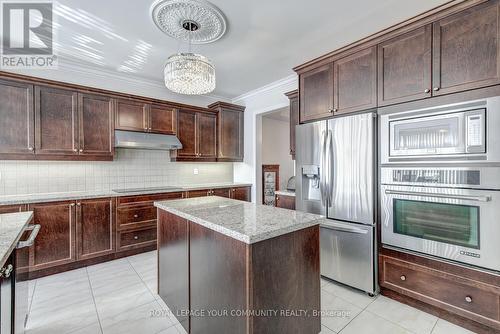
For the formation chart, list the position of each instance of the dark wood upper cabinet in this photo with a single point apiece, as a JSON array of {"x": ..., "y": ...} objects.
[
  {"x": 293, "y": 96},
  {"x": 95, "y": 232},
  {"x": 206, "y": 124},
  {"x": 96, "y": 125},
  {"x": 404, "y": 67},
  {"x": 230, "y": 132},
  {"x": 186, "y": 131},
  {"x": 316, "y": 93},
  {"x": 17, "y": 115},
  {"x": 131, "y": 115},
  {"x": 163, "y": 119},
  {"x": 197, "y": 132},
  {"x": 56, "y": 121},
  {"x": 55, "y": 243},
  {"x": 466, "y": 49},
  {"x": 355, "y": 86}
]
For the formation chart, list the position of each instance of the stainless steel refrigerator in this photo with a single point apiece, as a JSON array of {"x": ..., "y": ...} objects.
[{"x": 336, "y": 177}]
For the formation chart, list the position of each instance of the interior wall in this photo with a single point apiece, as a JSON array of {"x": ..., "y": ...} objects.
[
  {"x": 276, "y": 148},
  {"x": 129, "y": 169},
  {"x": 257, "y": 103}
]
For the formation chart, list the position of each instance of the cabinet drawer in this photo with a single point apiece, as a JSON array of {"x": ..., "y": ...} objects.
[
  {"x": 137, "y": 238},
  {"x": 458, "y": 294},
  {"x": 133, "y": 215}
]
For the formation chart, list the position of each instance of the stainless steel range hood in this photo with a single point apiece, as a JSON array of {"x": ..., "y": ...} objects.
[{"x": 146, "y": 141}]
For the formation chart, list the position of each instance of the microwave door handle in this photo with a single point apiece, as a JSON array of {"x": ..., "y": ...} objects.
[
  {"x": 31, "y": 240},
  {"x": 450, "y": 196}
]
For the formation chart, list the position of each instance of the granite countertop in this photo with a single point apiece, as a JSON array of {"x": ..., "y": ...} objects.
[
  {"x": 285, "y": 193},
  {"x": 12, "y": 226},
  {"x": 244, "y": 221},
  {"x": 52, "y": 197}
]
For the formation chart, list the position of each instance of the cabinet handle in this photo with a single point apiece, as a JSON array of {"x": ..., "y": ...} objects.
[
  {"x": 436, "y": 89},
  {"x": 403, "y": 277},
  {"x": 468, "y": 299},
  {"x": 136, "y": 216},
  {"x": 427, "y": 91},
  {"x": 136, "y": 237}
]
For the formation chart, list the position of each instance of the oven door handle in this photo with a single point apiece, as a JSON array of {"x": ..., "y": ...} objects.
[{"x": 450, "y": 196}]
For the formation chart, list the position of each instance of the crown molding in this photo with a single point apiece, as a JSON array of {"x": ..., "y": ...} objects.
[
  {"x": 292, "y": 78},
  {"x": 106, "y": 73}
]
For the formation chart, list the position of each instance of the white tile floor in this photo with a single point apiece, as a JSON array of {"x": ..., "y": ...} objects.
[{"x": 119, "y": 296}]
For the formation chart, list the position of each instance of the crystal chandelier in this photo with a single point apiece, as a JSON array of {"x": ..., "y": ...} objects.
[
  {"x": 189, "y": 73},
  {"x": 197, "y": 22}
]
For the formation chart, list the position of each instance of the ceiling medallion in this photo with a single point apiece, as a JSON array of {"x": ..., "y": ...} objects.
[
  {"x": 170, "y": 17},
  {"x": 196, "y": 22}
]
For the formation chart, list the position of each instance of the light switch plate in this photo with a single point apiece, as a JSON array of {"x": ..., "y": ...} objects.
[{"x": 196, "y": 171}]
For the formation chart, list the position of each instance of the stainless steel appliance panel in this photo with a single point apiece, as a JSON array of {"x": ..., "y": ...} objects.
[
  {"x": 347, "y": 254},
  {"x": 352, "y": 168},
  {"x": 451, "y": 223},
  {"x": 309, "y": 161},
  {"x": 464, "y": 132}
]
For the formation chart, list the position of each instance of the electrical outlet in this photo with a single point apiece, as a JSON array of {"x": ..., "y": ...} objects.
[{"x": 196, "y": 171}]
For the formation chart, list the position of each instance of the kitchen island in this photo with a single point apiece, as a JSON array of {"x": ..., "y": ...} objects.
[{"x": 227, "y": 266}]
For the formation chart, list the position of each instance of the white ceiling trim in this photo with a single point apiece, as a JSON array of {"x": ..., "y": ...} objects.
[
  {"x": 271, "y": 86},
  {"x": 106, "y": 74}
]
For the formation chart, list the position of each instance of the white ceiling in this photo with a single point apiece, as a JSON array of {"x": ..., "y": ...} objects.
[{"x": 265, "y": 39}]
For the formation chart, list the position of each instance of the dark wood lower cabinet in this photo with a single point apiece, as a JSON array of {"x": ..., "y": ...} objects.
[
  {"x": 285, "y": 202},
  {"x": 55, "y": 243},
  {"x": 95, "y": 228},
  {"x": 241, "y": 193},
  {"x": 461, "y": 295}
]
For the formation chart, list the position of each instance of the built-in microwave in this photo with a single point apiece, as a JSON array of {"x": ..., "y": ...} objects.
[{"x": 464, "y": 132}]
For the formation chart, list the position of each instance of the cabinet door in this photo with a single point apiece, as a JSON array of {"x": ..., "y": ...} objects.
[
  {"x": 285, "y": 202},
  {"x": 96, "y": 125},
  {"x": 231, "y": 135},
  {"x": 198, "y": 193},
  {"x": 95, "y": 232},
  {"x": 404, "y": 67},
  {"x": 241, "y": 193},
  {"x": 466, "y": 49},
  {"x": 163, "y": 119},
  {"x": 131, "y": 115},
  {"x": 55, "y": 243},
  {"x": 356, "y": 82},
  {"x": 224, "y": 192},
  {"x": 294, "y": 120},
  {"x": 186, "y": 132},
  {"x": 316, "y": 93},
  {"x": 207, "y": 135},
  {"x": 17, "y": 115},
  {"x": 56, "y": 120},
  {"x": 11, "y": 208}
]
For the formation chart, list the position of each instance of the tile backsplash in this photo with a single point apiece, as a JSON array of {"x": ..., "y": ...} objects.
[{"x": 130, "y": 169}]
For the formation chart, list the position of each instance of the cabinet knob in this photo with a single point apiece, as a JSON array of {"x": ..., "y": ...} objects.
[
  {"x": 81, "y": 150},
  {"x": 136, "y": 237},
  {"x": 136, "y": 216},
  {"x": 277, "y": 198},
  {"x": 468, "y": 299},
  {"x": 427, "y": 91},
  {"x": 335, "y": 109},
  {"x": 79, "y": 204},
  {"x": 330, "y": 110},
  {"x": 30, "y": 148},
  {"x": 436, "y": 89},
  {"x": 75, "y": 150},
  {"x": 72, "y": 204},
  {"x": 403, "y": 277},
  {"x": 150, "y": 129}
]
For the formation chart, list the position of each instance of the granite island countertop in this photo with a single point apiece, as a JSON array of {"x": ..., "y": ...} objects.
[
  {"x": 66, "y": 196},
  {"x": 244, "y": 221},
  {"x": 12, "y": 226}
]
